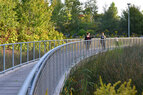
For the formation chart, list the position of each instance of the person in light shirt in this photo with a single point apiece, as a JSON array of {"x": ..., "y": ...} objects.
[{"x": 103, "y": 37}]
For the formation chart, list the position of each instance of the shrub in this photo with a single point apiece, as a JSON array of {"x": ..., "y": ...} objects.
[{"x": 123, "y": 89}]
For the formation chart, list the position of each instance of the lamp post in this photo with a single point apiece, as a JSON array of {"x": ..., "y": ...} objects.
[{"x": 128, "y": 19}]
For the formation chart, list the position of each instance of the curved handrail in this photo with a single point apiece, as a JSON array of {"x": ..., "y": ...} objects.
[
  {"x": 33, "y": 45},
  {"x": 32, "y": 77},
  {"x": 34, "y": 42},
  {"x": 34, "y": 71}
]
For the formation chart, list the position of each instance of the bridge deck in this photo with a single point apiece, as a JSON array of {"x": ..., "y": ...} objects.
[{"x": 11, "y": 82}]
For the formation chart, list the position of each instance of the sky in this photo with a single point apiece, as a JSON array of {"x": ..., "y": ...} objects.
[{"x": 120, "y": 4}]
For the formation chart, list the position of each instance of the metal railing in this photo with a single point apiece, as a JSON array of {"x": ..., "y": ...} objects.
[
  {"x": 16, "y": 54},
  {"x": 48, "y": 75}
]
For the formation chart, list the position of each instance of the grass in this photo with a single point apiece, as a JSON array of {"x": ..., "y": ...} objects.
[{"x": 121, "y": 64}]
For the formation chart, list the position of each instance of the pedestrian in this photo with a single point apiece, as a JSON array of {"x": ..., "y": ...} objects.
[
  {"x": 88, "y": 40},
  {"x": 103, "y": 37}
]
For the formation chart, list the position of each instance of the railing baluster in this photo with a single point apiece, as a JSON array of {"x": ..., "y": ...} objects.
[
  {"x": 83, "y": 49},
  {"x": 72, "y": 54},
  {"x": 69, "y": 56},
  {"x": 27, "y": 52},
  {"x": 33, "y": 50},
  {"x": 60, "y": 61},
  {"x": 49, "y": 45},
  {"x": 66, "y": 57},
  {"x": 13, "y": 55},
  {"x": 58, "y": 42},
  {"x": 4, "y": 58},
  {"x": 79, "y": 49},
  {"x": 39, "y": 49},
  {"x": 44, "y": 47},
  {"x": 54, "y": 43},
  {"x": 20, "y": 53}
]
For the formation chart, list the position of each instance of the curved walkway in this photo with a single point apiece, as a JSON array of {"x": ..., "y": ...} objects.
[{"x": 11, "y": 82}]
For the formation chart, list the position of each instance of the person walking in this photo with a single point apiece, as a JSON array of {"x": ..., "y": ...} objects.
[
  {"x": 88, "y": 40},
  {"x": 103, "y": 37}
]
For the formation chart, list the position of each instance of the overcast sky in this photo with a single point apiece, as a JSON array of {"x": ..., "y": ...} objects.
[{"x": 121, "y": 4}]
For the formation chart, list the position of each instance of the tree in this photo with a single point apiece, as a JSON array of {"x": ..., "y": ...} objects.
[
  {"x": 66, "y": 16},
  {"x": 34, "y": 17},
  {"x": 56, "y": 14},
  {"x": 136, "y": 20},
  {"x": 91, "y": 9},
  {"x": 110, "y": 19},
  {"x": 88, "y": 17},
  {"x": 8, "y": 21}
]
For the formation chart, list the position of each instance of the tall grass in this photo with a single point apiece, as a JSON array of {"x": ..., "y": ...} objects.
[{"x": 120, "y": 64}]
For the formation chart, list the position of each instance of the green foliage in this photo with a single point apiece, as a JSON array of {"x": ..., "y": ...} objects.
[
  {"x": 121, "y": 65},
  {"x": 110, "y": 19},
  {"x": 8, "y": 23},
  {"x": 123, "y": 89},
  {"x": 91, "y": 31},
  {"x": 72, "y": 16},
  {"x": 136, "y": 19},
  {"x": 66, "y": 16},
  {"x": 34, "y": 18},
  {"x": 82, "y": 32},
  {"x": 26, "y": 20}
]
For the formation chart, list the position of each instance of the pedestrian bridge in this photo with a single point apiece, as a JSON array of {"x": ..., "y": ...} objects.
[{"x": 40, "y": 68}]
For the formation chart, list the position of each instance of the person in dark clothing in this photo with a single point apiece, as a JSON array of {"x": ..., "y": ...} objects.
[
  {"x": 88, "y": 40},
  {"x": 103, "y": 37}
]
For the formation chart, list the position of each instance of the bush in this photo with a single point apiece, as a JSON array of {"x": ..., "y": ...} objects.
[{"x": 123, "y": 89}]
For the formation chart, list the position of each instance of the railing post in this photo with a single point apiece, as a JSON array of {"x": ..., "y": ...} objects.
[
  {"x": 60, "y": 66},
  {"x": 13, "y": 55},
  {"x": 57, "y": 74},
  {"x": 66, "y": 57},
  {"x": 80, "y": 49},
  {"x": 78, "y": 53},
  {"x": 54, "y": 43},
  {"x": 69, "y": 56},
  {"x": 86, "y": 48},
  {"x": 39, "y": 49},
  {"x": 72, "y": 54},
  {"x": 27, "y": 52},
  {"x": 49, "y": 45},
  {"x": 44, "y": 47},
  {"x": 109, "y": 44},
  {"x": 20, "y": 53},
  {"x": 58, "y": 42},
  {"x": 4, "y": 58},
  {"x": 83, "y": 49},
  {"x": 91, "y": 47},
  {"x": 33, "y": 50},
  {"x": 94, "y": 46},
  {"x": 98, "y": 40}
]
